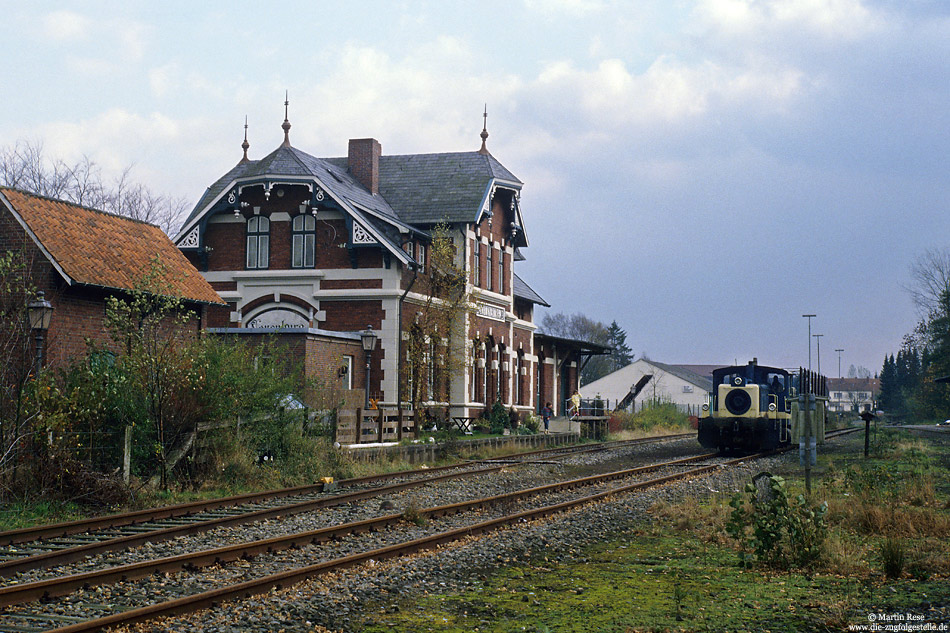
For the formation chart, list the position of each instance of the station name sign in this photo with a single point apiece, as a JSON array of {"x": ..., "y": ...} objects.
[{"x": 490, "y": 312}]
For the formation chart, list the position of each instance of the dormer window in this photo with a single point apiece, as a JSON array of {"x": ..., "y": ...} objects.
[
  {"x": 304, "y": 238},
  {"x": 258, "y": 242}
]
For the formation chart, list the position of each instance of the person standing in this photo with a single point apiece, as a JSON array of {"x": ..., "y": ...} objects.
[
  {"x": 575, "y": 404},
  {"x": 546, "y": 412}
]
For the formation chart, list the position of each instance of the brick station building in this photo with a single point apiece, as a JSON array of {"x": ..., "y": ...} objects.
[
  {"x": 79, "y": 256},
  {"x": 321, "y": 248}
]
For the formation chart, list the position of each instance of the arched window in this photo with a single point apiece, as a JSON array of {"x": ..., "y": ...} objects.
[
  {"x": 304, "y": 241},
  {"x": 258, "y": 242}
]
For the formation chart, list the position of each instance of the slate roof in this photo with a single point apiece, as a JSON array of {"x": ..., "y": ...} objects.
[
  {"x": 95, "y": 248},
  {"x": 429, "y": 188},
  {"x": 681, "y": 371},
  {"x": 521, "y": 290},
  {"x": 416, "y": 189}
]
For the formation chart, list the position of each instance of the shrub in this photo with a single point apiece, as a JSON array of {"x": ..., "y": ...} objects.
[
  {"x": 665, "y": 415},
  {"x": 774, "y": 531},
  {"x": 893, "y": 557},
  {"x": 498, "y": 417}
]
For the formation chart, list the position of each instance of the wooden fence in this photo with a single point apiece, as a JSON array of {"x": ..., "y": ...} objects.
[{"x": 366, "y": 426}]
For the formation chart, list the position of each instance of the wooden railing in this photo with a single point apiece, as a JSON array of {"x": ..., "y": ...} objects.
[{"x": 366, "y": 426}]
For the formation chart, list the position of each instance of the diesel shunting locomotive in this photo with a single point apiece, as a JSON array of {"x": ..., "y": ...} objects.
[{"x": 755, "y": 408}]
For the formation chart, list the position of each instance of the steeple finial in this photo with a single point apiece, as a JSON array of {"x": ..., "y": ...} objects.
[
  {"x": 484, "y": 134},
  {"x": 245, "y": 144},
  {"x": 286, "y": 123}
]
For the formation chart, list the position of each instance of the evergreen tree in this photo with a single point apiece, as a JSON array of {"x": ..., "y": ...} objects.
[
  {"x": 621, "y": 355},
  {"x": 890, "y": 390}
]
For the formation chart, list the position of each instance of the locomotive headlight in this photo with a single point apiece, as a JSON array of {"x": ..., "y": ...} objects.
[
  {"x": 772, "y": 407},
  {"x": 705, "y": 407}
]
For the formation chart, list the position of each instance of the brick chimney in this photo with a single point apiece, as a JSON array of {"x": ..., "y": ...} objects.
[{"x": 363, "y": 161}]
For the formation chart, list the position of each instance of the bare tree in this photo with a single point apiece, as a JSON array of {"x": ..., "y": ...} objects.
[
  {"x": 931, "y": 277},
  {"x": 25, "y": 166}
]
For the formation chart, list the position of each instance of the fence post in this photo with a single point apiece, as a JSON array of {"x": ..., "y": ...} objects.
[{"x": 127, "y": 454}]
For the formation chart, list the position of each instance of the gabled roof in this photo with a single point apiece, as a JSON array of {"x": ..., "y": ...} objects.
[
  {"x": 521, "y": 290},
  {"x": 414, "y": 189},
  {"x": 855, "y": 384},
  {"x": 684, "y": 372},
  {"x": 94, "y": 248}
]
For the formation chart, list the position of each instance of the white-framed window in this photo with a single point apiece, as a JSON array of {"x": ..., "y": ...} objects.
[
  {"x": 473, "y": 379},
  {"x": 477, "y": 264},
  {"x": 346, "y": 372},
  {"x": 488, "y": 270},
  {"x": 304, "y": 238},
  {"x": 258, "y": 242},
  {"x": 421, "y": 257},
  {"x": 501, "y": 270}
]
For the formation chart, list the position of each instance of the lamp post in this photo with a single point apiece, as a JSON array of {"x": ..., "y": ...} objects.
[
  {"x": 368, "y": 338},
  {"x": 839, "y": 360},
  {"x": 805, "y": 443},
  {"x": 40, "y": 312},
  {"x": 809, "y": 317},
  {"x": 818, "y": 341}
]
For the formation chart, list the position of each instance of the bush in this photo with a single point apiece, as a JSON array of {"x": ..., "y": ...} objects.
[
  {"x": 774, "y": 531},
  {"x": 660, "y": 415},
  {"x": 893, "y": 557},
  {"x": 498, "y": 417}
]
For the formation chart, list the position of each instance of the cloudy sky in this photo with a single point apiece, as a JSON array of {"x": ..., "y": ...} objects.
[{"x": 703, "y": 172}]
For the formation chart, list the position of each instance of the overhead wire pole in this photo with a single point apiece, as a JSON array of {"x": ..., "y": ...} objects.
[
  {"x": 818, "y": 350},
  {"x": 839, "y": 350},
  {"x": 805, "y": 443}
]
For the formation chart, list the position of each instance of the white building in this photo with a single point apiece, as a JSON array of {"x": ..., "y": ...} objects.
[
  {"x": 650, "y": 382},
  {"x": 853, "y": 394}
]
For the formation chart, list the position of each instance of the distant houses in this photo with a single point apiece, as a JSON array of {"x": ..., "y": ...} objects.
[
  {"x": 853, "y": 394},
  {"x": 644, "y": 382}
]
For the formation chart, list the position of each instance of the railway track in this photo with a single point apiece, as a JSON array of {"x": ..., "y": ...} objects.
[
  {"x": 404, "y": 541},
  {"x": 49, "y": 546},
  {"x": 62, "y": 613}
]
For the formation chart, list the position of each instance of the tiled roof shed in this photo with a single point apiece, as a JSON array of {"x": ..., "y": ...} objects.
[{"x": 94, "y": 248}]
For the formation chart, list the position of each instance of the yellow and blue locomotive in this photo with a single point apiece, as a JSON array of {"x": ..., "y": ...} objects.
[{"x": 749, "y": 409}]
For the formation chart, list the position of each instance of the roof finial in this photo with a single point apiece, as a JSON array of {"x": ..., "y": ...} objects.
[
  {"x": 245, "y": 144},
  {"x": 484, "y": 134},
  {"x": 286, "y": 123}
]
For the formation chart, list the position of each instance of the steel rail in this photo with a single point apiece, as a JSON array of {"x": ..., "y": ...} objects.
[
  {"x": 111, "y": 521},
  {"x": 281, "y": 580},
  {"x": 44, "y": 589},
  {"x": 73, "y": 554},
  {"x": 79, "y": 552}
]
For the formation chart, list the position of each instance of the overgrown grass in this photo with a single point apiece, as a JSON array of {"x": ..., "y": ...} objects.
[
  {"x": 22, "y": 514},
  {"x": 884, "y": 551},
  {"x": 647, "y": 581}
]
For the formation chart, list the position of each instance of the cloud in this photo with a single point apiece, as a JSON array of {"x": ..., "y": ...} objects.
[
  {"x": 757, "y": 20},
  {"x": 554, "y": 8},
  {"x": 66, "y": 26},
  {"x": 118, "y": 42}
]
